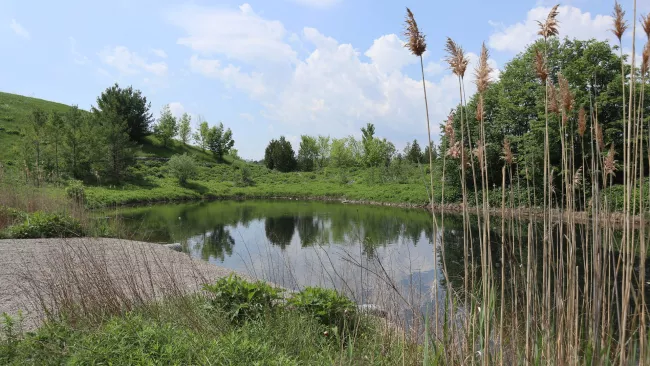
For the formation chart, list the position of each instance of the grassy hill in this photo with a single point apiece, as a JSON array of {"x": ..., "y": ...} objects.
[{"x": 15, "y": 110}]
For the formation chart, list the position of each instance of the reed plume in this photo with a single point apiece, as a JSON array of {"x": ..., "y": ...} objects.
[
  {"x": 582, "y": 122},
  {"x": 598, "y": 135},
  {"x": 566, "y": 97},
  {"x": 456, "y": 58},
  {"x": 549, "y": 28},
  {"x": 479, "y": 109},
  {"x": 416, "y": 42},
  {"x": 609, "y": 166},
  {"x": 540, "y": 66},
  {"x": 508, "y": 157},
  {"x": 483, "y": 70},
  {"x": 645, "y": 58},
  {"x": 620, "y": 25},
  {"x": 553, "y": 105},
  {"x": 645, "y": 23}
]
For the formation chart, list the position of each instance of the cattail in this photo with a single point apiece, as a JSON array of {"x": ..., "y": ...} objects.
[
  {"x": 599, "y": 136},
  {"x": 620, "y": 25},
  {"x": 582, "y": 122},
  {"x": 549, "y": 27},
  {"x": 416, "y": 40},
  {"x": 479, "y": 109},
  {"x": 483, "y": 70},
  {"x": 565, "y": 96},
  {"x": 540, "y": 66},
  {"x": 645, "y": 22},
  {"x": 552, "y": 98},
  {"x": 609, "y": 166},
  {"x": 456, "y": 58},
  {"x": 507, "y": 152}
]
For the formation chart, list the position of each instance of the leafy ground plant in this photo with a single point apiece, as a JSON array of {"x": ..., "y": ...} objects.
[
  {"x": 243, "y": 300},
  {"x": 333, "y": 310},
  {"x": 46, "y": 225}
]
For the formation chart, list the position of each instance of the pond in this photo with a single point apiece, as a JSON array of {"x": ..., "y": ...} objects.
[
  {"x": 361, "y": 250},
  {"x": 374, "y": 254}
]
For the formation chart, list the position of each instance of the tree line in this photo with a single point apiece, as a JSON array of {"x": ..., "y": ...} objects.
[
  {"x": 102, "y": 144},
  {"x": 317, "y": 152}
]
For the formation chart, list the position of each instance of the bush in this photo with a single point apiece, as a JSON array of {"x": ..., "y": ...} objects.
[
  {"x": 46, "y": 225},
  {"x": 75, "y": 190},
  {"x": 244, "y": 177},
  {"x": 243, "y": 300},
  {"x": 332, "y": 309},
  {"x": 182, "y": 167}
]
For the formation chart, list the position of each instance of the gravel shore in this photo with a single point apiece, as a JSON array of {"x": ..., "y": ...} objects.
[{"x": 32, "y": 270}]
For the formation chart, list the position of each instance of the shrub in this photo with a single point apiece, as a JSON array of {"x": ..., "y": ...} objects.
[
  {"x": 182, "y": 167},
  {"x": 243, "y": 300},
  {"x": 332, "y": 309},
  {"x": 75, "y": 190},
  {"x": 46, "y": 225},
  {"x": 244, "y": 177}
]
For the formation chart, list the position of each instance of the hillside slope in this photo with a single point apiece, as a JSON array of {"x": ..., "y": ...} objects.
[{"x": 15, "y": 110}]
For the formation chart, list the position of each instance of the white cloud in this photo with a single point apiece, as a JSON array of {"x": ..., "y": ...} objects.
[
  {"x": 573, "y": 23},
  {"x": 389, "y": 54},
  {"x": 241, "y": 35},
  {"x": 229, "y": 75},
  {"x": 130, "y": 63},
  {"x": 19, "y": 29},
  {"x": 334, "y": 89},
  {"x": 158, "y": 52},
  {"x": 177, "y": 109},
  {"x": 317, "y": 3},
  {"x": 78, "y": 57}
]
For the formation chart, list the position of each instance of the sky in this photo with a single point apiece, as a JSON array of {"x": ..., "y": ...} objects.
[{"x": 271, "y": 68}]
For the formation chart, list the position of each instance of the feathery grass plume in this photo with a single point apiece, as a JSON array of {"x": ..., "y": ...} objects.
[
  {"x": 483, "y": 70},
  {"x": 478, "y": 152},
  {"x": 540, "y": 66},
  {"x": 553, "y": 106},
  {"x": 549, "y": 27},
  {"x": 577, "y": 178},
  {"x": 450, "y": 133},
  {"x": 507, "y": 152},
  {"x": 645, "y": 58},
  {"x": 479, "y": 109},
  {"x": 620, "y": 25},
  {"x": 416, "y": 41},
  {"x": 456, "y": 58},
  {"x": 609, "y": 166},
  {"x": 645, "y": 22},
  {"x": 582, "y": 122},
  {"x": 599, "y": 136},
  {"x": 566, "y": 97}
]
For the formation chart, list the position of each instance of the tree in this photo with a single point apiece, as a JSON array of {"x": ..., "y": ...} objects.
[
  {"x": 54, "y": 130},
  {"x": 130, "y": 106},
  {"x": 115, "y": 150},
  {"x": 34, "y": 134},
  {"x": 324, "y": 148},
  {"x": 202, "y": 134},
  {"x": 167, "y": 126},
  {"x": 182, "y": 167},
  {"x": 76, "y": 144},
  {"x": 414, "y": 154},
  {"x": 185, "y": 129},
  {"x": 367, "y": 135},
  {"x": 308, "y": 153},
  {"x": 219, "y": 141},
  {"x": 279, "y": 155}
]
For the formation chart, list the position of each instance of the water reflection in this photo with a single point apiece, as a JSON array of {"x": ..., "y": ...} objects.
[{"x": 279, "y": 230}]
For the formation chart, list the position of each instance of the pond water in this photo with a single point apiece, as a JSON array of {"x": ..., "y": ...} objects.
[{"x": 365, "y": 251}]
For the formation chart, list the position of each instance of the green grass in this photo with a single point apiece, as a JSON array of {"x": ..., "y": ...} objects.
[
  {"x": 186, "y": 331},
  {"x": 14, "y": 112}
]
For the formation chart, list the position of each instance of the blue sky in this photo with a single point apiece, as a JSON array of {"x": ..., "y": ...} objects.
[{"x": 273, "y": 67}]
